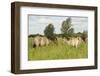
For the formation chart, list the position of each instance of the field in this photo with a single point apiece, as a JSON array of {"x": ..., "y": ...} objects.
[{"x": 57, "y": 51}]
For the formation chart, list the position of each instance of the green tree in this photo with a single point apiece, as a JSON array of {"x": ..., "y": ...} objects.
[
  {"x": 66, "y": 28},
  {"x": 49, "y": 32}
]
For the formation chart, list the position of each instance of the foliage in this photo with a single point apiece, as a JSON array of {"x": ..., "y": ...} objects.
[
  {"x": 66, "y": 28},
  {"x": 33, "y": 35},
  {"x": 84, "y": 35},
  {"x": 49, "y": 32}
]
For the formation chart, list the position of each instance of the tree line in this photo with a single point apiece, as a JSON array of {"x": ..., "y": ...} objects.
[{"x": 67, "y": 31}]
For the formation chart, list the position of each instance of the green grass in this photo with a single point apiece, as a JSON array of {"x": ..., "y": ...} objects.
[{"x": 56, "y": 51}]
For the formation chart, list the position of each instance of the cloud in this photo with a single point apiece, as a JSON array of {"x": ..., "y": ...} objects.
[{"x": 80, "y": 24}]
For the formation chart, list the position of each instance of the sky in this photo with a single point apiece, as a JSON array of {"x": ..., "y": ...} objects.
[{"x": 37, "y": 23}]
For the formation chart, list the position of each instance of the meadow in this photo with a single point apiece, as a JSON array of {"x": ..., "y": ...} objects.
[{"x": 57, "y": 51}]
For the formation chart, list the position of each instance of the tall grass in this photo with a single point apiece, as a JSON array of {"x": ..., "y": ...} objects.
[{"x": 57, "y": 51}]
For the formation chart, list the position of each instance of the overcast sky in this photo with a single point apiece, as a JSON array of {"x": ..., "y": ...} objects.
[{"x": 37, "y": 23}]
